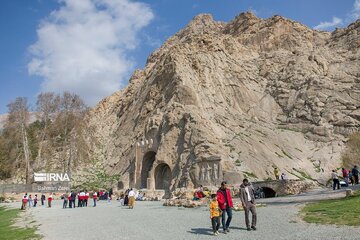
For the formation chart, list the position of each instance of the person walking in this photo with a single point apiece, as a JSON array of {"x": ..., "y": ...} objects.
[
  {"x": 94, "y": 198},
  {"x": 345, "y": 174},
  {"x": 335, "y": 179},
  {"x": 42, "y": 199},
  {"x": 277, "y": 173},
  {"x": 72, "y": 199},
  {"x": 35, "y": 200},
  {"x": 65, "y": 197},
  {"x": 131, "y": 198},
  {"x": 225, "y": 203},
  {"x": 69, "y": 199},
  {"x": 355, "y": 173},
  {"x": 351, "y": 179},
  {"x": 30, "y": 201},
  {"x": 215, "y": 214},
  {"x": 24, "y": 201},
  {"x": 86, "y": 198},
  {"x": 50, "y": 198},
  {"x": 247, "y": 198}
]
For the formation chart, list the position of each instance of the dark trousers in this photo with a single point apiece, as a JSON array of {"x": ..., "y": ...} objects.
[
  {"x": 225, "y": 212},
  {"x": 336, "y": 182},
  {"x": 65, "y": 203},
  {"x": 42, "y": 201},
  {"x": 215, "y": 222},
  {"x": 85, "y": 202},
  {"x": 356, "y": 177},
  {"x": 35, "y": 202},
  {"x": 250, "y": 207},
  {"x": 94, "y": 202},
  {"x": 72, "y": 203}
]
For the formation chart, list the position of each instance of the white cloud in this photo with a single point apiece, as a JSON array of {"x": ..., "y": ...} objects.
[
  {"x": 327, "y": 25},
  {"x": 83, "y": 46},
  {"x": 356, "y": 11}
]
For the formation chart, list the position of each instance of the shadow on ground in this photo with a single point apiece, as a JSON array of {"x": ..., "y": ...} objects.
[{"x": 201, "y": 231}]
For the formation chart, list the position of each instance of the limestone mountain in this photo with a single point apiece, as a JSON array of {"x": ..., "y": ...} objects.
[{"x": 231, "y": 100}]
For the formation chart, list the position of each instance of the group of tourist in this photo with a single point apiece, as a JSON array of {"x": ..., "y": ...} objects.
[
  {"x": 27, "y": 200},
  {"x": 221, "y": 207},
  {"x": 350, "y": 176},
  {"x": 129, "y": 197},
  {"x": 82, "y": 197}
]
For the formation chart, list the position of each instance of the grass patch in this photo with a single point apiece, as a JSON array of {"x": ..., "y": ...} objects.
[
  {"x": 299, "y": 149},
  {"x": 345, "y": 211},
  {"x": 238, "y": 163},
  {"x": 296, "y": 175},
  {"x": 279, "y": 155},
  {"x": 250, "y": 174},
  {"x": 303, "y": 174},
  {"x": 10, "y": 232},
  {"x": 263, "y": 134},
  {"x": 286, "y": 154},
  {"x": 232, "y": 148}
]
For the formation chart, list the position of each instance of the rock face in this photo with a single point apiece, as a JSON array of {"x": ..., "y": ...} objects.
[{"x": 231, "y": 100}]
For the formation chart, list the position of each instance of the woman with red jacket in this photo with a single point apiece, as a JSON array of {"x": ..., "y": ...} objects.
[
  {"x": 50, "y": 198},
  {"x": 225, "y": 203}
]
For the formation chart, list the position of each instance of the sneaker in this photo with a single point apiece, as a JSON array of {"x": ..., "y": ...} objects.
[
  {"x": 224, "y": 232},
  {"x": 228, "y": 230},
  {"x": 217, "y": 232},
  {"x": 253, "y": 228},
  {"x": 249, "y": 229}
]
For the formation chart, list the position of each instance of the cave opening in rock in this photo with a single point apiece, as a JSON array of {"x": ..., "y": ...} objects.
[
  {"x": 147, "y": 164},
  {"x": 162, "y": 177},
  {"x": 268, "y": 192}
]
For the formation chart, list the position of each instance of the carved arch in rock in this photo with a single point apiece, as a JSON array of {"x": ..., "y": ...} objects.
[
  {"x": 147, "y": 165},
  {"x": 163, "y": 176}
]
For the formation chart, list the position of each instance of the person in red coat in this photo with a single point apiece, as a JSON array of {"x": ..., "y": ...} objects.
[
  {"x": 225, "y": 203},
  {"x": 50, "y": 198}
]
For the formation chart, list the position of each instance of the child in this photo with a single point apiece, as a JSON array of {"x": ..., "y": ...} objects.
[
  {"x": 35, "y": 200},
  {"x": 24, "y": 202},
  {"x": 215, "y": 214}
]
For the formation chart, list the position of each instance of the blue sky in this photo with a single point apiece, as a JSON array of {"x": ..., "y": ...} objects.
[{"x": 91, "y": 47}]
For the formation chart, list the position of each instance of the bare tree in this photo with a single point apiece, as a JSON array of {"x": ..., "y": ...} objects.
[
  {"x": 72, "y": 110},
  {"x": 46, "y": 106},
  {"x": 18, "y": 118}
]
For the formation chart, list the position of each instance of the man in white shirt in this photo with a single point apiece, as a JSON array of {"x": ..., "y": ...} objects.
[
  {"x": 335, "y": 179},
  {"x": 131, "y": 196},
  {"x": 247, "y": 198}
]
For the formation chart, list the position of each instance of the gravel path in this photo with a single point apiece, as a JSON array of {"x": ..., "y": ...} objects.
[{"x": 150, "y": 220}]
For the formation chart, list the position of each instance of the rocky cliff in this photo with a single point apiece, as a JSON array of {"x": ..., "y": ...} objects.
[{"x": 232, "y": 100}]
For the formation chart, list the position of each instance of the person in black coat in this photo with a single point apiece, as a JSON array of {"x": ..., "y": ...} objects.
[
  {"x": 42, "y": 199},
  {"x": 73, "y": 198}
]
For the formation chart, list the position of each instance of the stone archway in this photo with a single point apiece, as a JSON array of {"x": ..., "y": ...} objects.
[
  {"x": 268, "y": 192},
  {"x": 162, "y": 177},
  {"x": 147, "y": 164}
]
